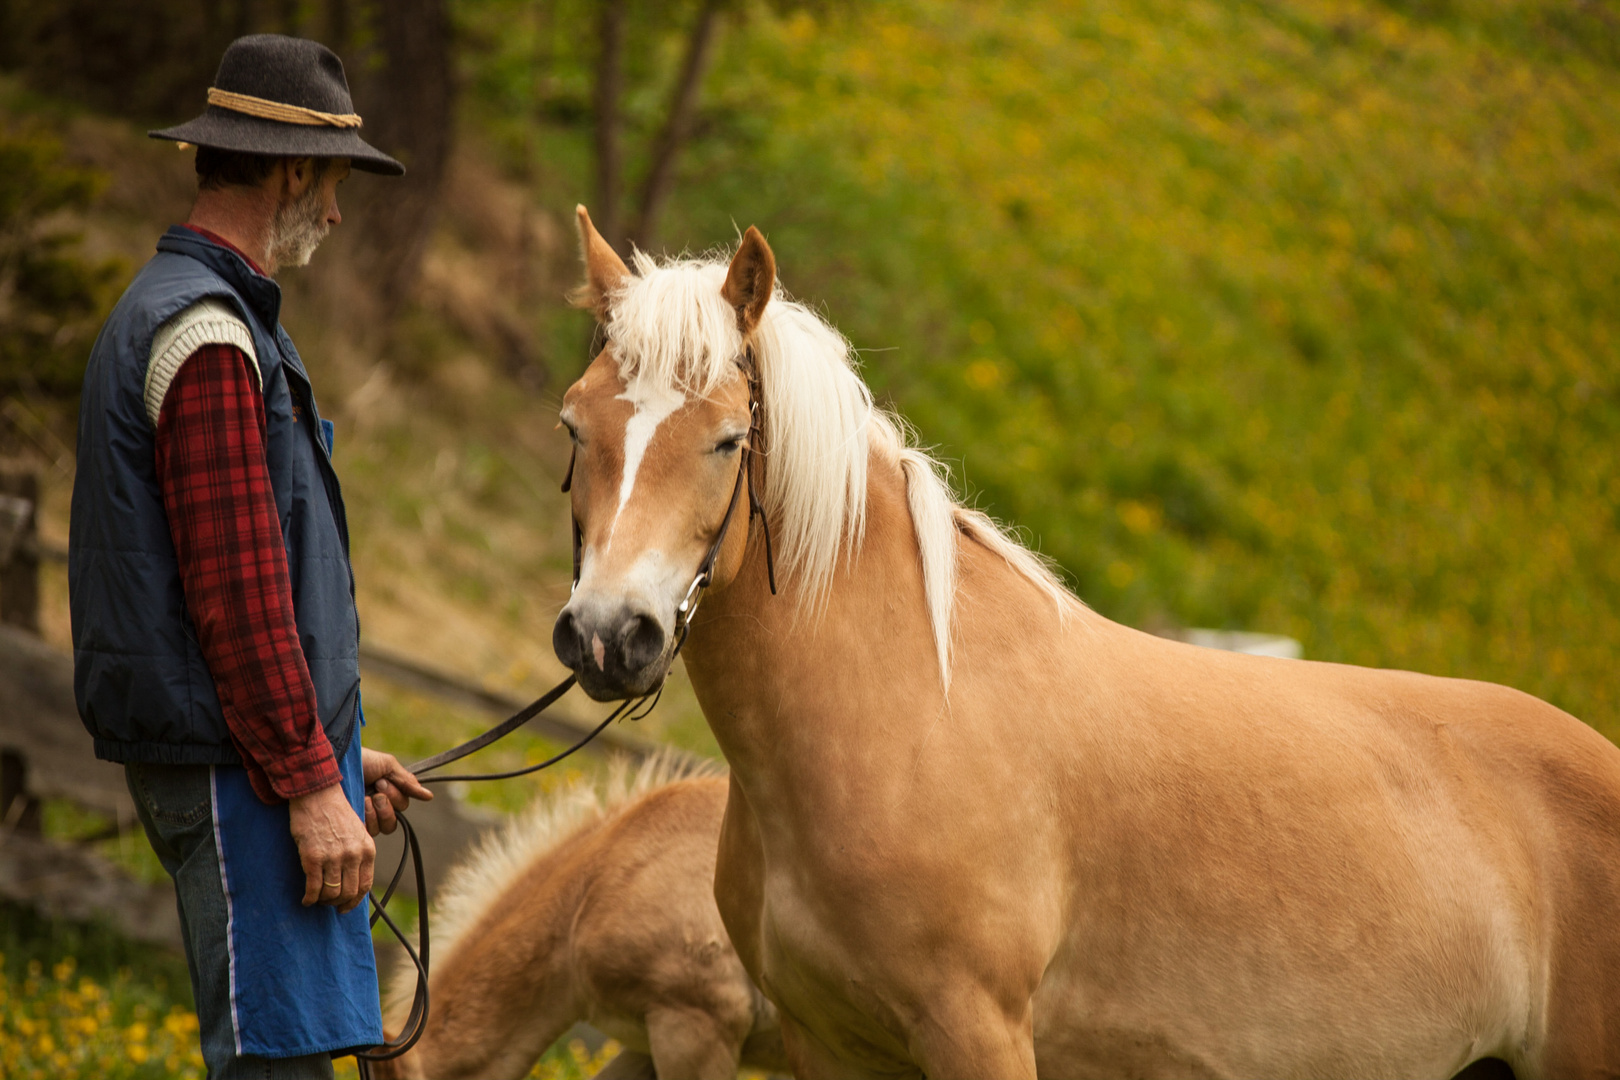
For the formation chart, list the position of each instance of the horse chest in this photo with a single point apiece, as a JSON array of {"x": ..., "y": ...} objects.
[
  {"x": 832, "y": 1000},
  {"x": 843, "y": 972}
]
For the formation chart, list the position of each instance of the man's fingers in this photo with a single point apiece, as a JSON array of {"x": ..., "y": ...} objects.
[
  {"x": 349, "y": 893},
  {"x": 357, "y": 878},
  {"x": 413, "y": 787},
  {"x": 351, "y": 889},
  {"x": 380, "y": 810},
  {"x": 331, "y": 883},
  {"x": 333, "y": 847},
  {"x": 401, "y": 787},
  {"x": 351, "y": 879},
  {"x": 396, "y": 797},
  {"x": 312, "y": 878}
]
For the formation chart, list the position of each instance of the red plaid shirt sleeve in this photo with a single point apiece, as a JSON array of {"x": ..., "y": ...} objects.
[{"x": 233, "y": 567}]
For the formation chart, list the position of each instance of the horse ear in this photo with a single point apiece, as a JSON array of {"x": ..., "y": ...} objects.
[
  {"x": 750, "y": 280},
  {"x": 605, "y": 272}
]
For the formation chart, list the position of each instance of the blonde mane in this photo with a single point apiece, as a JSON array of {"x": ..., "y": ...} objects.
[
  {"x": 671, "y": 326},
  {"x": 504, "y": 855}
]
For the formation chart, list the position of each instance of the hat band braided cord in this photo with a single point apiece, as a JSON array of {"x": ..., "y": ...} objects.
[{"x": 279, "y": 111}]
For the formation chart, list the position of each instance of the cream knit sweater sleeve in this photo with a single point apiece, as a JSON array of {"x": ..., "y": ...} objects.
[{"x": 207, "y": 322}]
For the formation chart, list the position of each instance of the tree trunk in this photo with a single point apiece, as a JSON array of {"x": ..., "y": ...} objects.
[
  {"x": 244, "y": 19},
  {"x": 339, "y": 26},
  {"x": 609, "y": 89},
  {"x": 407, "y": 107},
  {"x": 541, "y": 16},
  {"x": 678, "y": 124}
]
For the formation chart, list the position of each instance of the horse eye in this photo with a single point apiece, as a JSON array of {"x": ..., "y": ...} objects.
[{"x": 726, "y": 446}]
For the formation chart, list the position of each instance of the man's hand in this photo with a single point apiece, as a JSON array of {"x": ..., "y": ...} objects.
[
  {"x": 333, "y": 847},
  {"x": 395, "y": 788}
]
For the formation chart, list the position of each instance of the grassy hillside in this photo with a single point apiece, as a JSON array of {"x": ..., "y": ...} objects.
[{"x": 1297, "y": 317}]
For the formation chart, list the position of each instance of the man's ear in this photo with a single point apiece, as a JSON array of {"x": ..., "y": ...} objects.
[
  {"x": 750, "y": 280},
  {"x": 605, "y": 272},
  {"x": 298, "y": 174}
]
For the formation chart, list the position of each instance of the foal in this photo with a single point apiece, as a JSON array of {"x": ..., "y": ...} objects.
[{"x": 594, "y": 906}]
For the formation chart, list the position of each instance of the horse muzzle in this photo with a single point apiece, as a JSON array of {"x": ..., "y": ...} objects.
[{"x": 621, "y": 652}]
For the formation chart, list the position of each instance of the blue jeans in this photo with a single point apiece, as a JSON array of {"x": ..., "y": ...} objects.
[{"x": 175, "y": 804}]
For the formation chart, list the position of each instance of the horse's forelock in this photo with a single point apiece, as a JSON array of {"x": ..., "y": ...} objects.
[{"x": 671, "y": 327}]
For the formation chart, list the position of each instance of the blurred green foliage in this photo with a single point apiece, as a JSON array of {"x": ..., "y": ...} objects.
[
  {"x": 51, "y": 298},
  {"x": 1296, "y": 317}
]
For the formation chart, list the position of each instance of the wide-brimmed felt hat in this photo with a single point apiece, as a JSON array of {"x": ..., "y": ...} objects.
[{"x": 282, "y": 96}]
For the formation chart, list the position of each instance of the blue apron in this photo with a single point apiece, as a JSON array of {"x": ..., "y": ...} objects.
[{"x": 303, "y": 979}]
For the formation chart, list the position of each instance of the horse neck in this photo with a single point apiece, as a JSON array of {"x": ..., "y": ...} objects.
[{"x": 758, "y": 661}]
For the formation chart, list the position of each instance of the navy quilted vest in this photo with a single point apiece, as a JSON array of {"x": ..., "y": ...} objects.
[{"x": 143, "y": 688}]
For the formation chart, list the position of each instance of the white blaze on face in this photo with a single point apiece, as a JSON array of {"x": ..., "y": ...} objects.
[{"x": 653, "y": 405}]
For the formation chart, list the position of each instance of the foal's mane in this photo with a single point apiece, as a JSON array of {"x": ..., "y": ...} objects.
[
  {"x": 476, "y": 884},
  {"x": 671, "y": 327}
]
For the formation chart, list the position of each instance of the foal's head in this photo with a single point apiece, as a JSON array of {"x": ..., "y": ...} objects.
[{"x": 661, "y": 421}]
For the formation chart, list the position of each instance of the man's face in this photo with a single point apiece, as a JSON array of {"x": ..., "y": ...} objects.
[{"x": 307, "y": 209}]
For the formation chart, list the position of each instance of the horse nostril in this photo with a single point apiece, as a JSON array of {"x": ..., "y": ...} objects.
[
  {"x": 566, "y": 641},
  {"x": 643, "y": 642}
]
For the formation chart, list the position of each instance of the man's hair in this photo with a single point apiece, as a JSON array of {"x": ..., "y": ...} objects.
[{"x": 231, "y": 168}]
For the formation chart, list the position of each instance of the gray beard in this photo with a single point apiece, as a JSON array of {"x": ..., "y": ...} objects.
[{"x": 297, "y": 230}]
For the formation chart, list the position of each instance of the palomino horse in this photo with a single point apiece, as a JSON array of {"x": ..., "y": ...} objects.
[
  {"x": 976, "y": 830},
  {"x": 595, "y": 906}
]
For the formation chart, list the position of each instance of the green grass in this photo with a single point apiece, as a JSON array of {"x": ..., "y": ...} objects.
[
  {"x": 1295, "y": 317},
  {"x": 79, "y": 1000}
]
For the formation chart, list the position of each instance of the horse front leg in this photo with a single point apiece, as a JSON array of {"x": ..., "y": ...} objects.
[
  {"x": 811, "y": 1059},
  {"x": 968, "y": 1036},
  {"x": 692, "y": 1044},
  {"x": 629, "y": 1065}
]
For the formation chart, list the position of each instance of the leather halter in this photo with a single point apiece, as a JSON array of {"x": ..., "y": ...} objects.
[{"x": 756, "y": 508}]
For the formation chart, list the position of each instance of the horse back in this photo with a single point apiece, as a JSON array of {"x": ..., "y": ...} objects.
[{"x": 1476, "y": 828}]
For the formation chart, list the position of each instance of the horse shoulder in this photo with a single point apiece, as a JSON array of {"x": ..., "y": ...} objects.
[{"x": 739, "y": 878}]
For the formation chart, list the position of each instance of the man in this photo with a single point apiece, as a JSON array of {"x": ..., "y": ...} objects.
[{"x": 216, "y": 644}]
